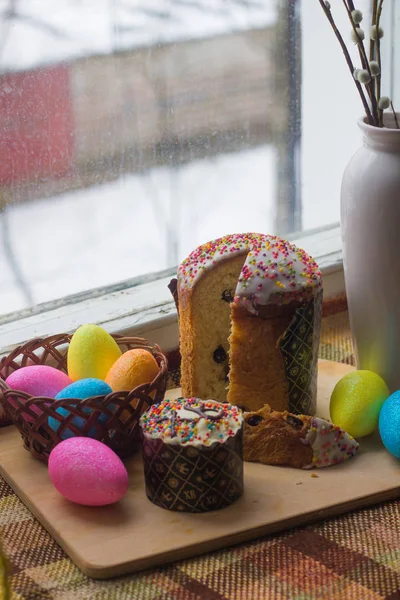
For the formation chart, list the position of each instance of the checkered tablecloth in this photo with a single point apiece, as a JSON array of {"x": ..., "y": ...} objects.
[{"x": 353, "y": 557}]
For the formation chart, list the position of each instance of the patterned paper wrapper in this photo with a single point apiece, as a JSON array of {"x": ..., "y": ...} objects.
[
  {"x": 299, "y": 349},
  {"x": 193, "y": 478}
]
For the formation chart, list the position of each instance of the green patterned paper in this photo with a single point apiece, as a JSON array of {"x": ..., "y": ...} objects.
[{"x": 299, "y": 349}]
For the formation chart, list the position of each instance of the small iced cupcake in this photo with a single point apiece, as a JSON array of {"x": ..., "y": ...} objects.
[{"x": 192, "y": 454}]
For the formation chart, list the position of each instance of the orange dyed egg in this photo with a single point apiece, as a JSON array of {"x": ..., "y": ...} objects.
[{"x": 135, "y": 367}]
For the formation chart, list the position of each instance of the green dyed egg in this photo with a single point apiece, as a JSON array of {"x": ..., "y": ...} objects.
[
  {"x": 91, "y": 353},
  {"x": 356, "y": 402}
]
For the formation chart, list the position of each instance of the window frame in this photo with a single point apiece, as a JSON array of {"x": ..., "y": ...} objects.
[
  {"x": 390, "y": 22},
  {"x": 144, "y": 307}
]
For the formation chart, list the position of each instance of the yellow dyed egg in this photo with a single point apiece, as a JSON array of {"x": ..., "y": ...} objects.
[
  {"x": 135, "y": 367},
  {"x": 92, "y": 351},
  {"x": 356, "y": 402}
]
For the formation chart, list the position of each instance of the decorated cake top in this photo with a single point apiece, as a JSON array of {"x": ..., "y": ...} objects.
[
  {"x": 331, "y": 444},
  {"x": 274, "y": 269},
  {"x": 191, "y": 421}
]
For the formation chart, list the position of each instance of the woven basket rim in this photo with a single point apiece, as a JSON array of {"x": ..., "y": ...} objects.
[{"x": 6, "y": 390}]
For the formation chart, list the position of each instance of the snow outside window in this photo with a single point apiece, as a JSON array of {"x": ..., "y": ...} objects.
[{"x": 133, "y": 130}]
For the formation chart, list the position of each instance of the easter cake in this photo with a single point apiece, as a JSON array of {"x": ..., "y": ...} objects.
[
  {"x": 281, "y": 438},
  {"x": 249, "y": 318},
  {"x": 192, "y": 454}
]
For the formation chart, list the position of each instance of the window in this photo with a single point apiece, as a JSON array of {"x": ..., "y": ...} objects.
[
  {"x": 391, "y": 25},
  {"x": 133, "y": 130}
]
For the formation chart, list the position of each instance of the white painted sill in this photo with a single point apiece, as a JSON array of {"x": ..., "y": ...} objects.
[{"x": 144, "y": 306}]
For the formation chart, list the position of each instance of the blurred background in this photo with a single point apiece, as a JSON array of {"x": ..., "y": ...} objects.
[{"x": 133, "y": 130}]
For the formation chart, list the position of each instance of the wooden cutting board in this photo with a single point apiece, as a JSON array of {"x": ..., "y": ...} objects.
[{"x": 134, "y": 534}]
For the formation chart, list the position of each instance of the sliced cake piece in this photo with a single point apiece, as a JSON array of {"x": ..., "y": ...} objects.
[{"x": 281, "y": 438}]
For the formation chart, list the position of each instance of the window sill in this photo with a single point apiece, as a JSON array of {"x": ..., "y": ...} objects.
[{"x": 144, "y": 306}]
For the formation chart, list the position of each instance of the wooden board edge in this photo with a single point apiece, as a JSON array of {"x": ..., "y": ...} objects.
[
  {"x": 198, "y": 549},
  {"x": 100, "y": 571}
]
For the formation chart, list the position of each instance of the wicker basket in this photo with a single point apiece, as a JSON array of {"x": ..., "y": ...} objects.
[{"x": 119, "y": 411}]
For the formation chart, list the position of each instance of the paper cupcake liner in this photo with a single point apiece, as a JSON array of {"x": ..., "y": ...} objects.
[{"x": 193, "y": 478}]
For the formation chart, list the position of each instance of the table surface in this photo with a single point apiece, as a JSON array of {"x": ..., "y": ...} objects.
[{"x": 356, "y": 556}]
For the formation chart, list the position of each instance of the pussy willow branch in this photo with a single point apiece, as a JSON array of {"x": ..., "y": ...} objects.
[
  {"x": 371, "y": 41},
  {"x": 349, "y": 6},
  {"x": 364, "y": 61},
  {"x": 348, "y": 60},
  {"x": 378, "y": 58}
]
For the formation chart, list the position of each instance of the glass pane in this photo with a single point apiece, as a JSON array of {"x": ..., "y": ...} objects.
[{"x": 133, "y": 130}]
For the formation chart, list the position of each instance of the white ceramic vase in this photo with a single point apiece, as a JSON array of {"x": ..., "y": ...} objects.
[{"x": 370, "y": 224}]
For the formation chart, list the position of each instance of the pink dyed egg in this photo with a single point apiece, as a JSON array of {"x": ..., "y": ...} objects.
[
  {"x": 38, "y": 380},
  {"x": 87, "y": 472}
]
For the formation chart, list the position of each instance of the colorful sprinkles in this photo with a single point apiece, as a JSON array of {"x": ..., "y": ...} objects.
[
  {"x": 192, "y": 421},
  {"x": 331, "y": 444},
  {"x": 274, "y": 270}
]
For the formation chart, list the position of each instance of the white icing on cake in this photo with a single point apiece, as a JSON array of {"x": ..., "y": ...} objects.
[
  {"x": 191, "y": 422},
  {"x": 331, "y": 444},
  {"x": 274, "y": 269}
]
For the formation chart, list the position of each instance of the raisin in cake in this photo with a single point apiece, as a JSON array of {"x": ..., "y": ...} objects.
[{"x": 249, "y": 318}]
